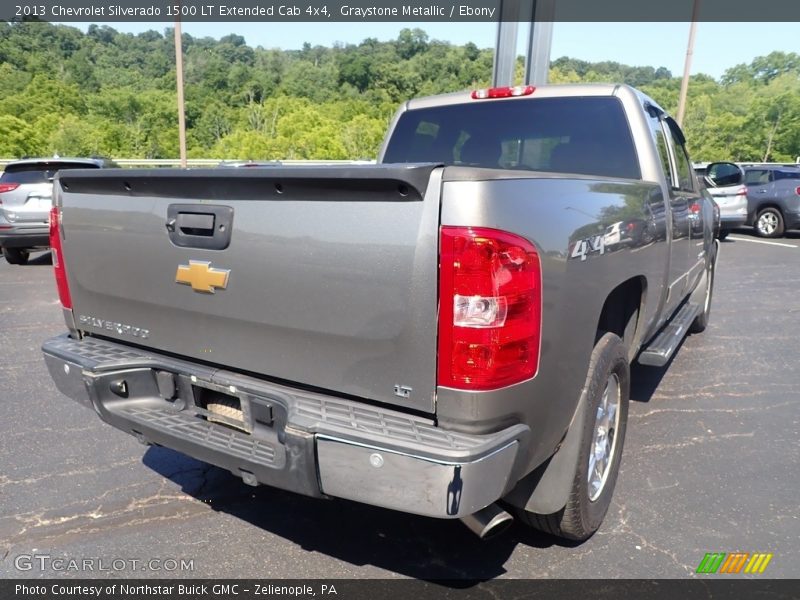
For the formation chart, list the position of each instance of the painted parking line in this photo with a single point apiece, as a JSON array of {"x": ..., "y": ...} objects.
[{"x": 740, "y": 239}]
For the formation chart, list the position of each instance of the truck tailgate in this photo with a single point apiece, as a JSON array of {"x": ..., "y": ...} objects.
[{"x": 321, "y": 276}]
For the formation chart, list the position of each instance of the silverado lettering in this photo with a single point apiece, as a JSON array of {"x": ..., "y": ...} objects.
[{"x": 119, "y": 328}]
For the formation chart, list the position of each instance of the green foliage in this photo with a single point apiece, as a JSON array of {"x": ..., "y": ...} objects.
[
  {"x": 17, "y": 138},
  {"x": 111, "y": 93}
]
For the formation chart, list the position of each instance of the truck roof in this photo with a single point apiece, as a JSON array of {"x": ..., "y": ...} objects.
[{"x": 543, "y": 91}]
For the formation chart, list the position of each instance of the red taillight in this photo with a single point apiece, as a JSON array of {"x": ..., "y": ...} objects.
[
  {"x": 58, "y": 258},
  {"x": 797, "y": 191},
  {"x": 742, "y": 191},
  {"x": 503, "y": 92},
  {"x": 694, "y": 208},
  {"x": 8, "y": 187},
  {"x": 489, "y": 308}
]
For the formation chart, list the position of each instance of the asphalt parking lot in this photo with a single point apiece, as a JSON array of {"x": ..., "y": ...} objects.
[{"x": 711, "y": 464}]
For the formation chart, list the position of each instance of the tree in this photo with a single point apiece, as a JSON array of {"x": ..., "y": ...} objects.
[
  {"x": 17, "y": 138},
  {"x": 114, "y": 93}
]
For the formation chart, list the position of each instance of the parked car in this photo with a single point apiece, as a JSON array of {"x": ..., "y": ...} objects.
[
  {"x": 773, "y": 198},
  {"x": 725, "y": 182},
  {"x": 26, "y": 192},
  {"x": 629, "y": 232}
]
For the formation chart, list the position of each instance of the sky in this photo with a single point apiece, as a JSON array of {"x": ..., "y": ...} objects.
[{"x": 718, "y": 46}]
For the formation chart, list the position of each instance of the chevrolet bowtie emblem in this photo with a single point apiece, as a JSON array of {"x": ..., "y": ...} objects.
[{"x": 202, "y": 277}]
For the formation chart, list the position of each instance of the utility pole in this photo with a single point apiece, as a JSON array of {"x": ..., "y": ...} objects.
[
  {"x": 687, "y": 65},
  {"x": 179, "y": 82}
]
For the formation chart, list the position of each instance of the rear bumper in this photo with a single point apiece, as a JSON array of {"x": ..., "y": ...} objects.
[
  {"x": 25, "y": 237},
  {"x": 732, "y": 221},
  {"x": 792, "y": 219},
  {"x": 296, "y": 440}
]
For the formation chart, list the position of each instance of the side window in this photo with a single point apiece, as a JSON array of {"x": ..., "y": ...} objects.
[
  {"x": 787, "y": 175},
  {"x": 756, "y": 176},
  {"x": 682, "y": 165},
  {"x": 661, "y": 143},
  {"x": 663, "y": 152}
]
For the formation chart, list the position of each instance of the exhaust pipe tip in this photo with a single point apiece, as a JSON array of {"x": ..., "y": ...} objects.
[{"x": 488, "y": 522}]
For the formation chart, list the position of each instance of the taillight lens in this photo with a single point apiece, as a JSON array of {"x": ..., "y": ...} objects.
[
  {"x": 7, "y": 187},
  {"x": 489, "y": 308},
  {"x": 58, "y": 259},
  {"x": 694, "y": 208},
  {"x": 797, "y": 191}
]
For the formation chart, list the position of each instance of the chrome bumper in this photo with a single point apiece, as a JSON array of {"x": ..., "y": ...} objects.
[{"x": 301, "y": 441}]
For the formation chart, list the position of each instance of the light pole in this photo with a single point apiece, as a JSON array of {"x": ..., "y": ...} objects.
[{"x": 687, "y": 66}]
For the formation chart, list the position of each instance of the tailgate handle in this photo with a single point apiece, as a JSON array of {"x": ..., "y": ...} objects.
[
  {"x": 200, "y": 226},
  {"x": 195, "y": 224}
]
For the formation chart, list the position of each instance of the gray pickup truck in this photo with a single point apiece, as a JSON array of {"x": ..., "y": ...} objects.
[{"x": 446, "y": 333}]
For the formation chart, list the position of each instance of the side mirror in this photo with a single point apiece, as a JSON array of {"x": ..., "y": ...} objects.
[{"x": 721, "y": 174}]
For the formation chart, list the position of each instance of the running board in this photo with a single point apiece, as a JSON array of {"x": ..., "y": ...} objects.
[{"x": 663, "y": 346}]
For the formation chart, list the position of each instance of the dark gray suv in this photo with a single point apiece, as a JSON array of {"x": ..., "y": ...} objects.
[
  {"x": 26, "y": 192},
  {"x": 773, "y": 198}
]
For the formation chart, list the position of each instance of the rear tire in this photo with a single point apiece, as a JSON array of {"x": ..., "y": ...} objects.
[
  {"x": 606, "y": 392},
  {"x": 16, "y": 256},
  {"x": 769, "y": 223},
  {"x": 723, "y": 234}
]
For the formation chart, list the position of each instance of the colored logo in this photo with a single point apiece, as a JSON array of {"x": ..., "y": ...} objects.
[
  {"x": 734, "y": 563},
  {"x": 202, "y": 277}
]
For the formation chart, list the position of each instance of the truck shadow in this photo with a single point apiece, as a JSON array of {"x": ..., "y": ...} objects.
[
  {"x": 43, "y": 259},
  {"x": 413, "y": 546},
  {"x": 444, "y": 551},
  {"x": 645, "y": 380}
]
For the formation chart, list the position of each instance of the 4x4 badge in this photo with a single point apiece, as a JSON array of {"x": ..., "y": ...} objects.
[{"x": 202, "y": 276}]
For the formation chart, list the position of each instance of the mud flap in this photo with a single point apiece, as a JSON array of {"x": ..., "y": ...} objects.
[{"x": 546, "y": 490}]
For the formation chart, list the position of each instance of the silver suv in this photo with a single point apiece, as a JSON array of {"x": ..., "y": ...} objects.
[
  {"x": 26, "y": 192},
  {"x": 725, "y": 182}
]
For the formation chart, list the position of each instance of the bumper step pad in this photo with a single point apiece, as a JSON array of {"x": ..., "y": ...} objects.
[{"x": 188, "y": 426}]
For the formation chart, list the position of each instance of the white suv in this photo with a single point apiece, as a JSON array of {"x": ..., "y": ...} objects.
[{"x": 26, "y": 193}]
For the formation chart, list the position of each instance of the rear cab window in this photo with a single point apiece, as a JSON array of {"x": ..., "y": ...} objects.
[{"x": 582, "y": 135}]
